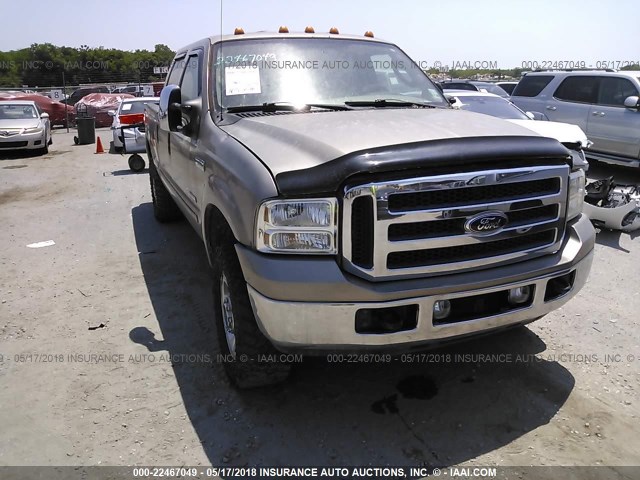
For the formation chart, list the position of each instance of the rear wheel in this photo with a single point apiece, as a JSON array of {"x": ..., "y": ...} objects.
[
  {"x": 164, "y": 207},
  {"x": 239, "y": 337}
]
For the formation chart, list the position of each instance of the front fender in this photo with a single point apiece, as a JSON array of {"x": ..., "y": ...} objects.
[{"x": 237, "y": 182}]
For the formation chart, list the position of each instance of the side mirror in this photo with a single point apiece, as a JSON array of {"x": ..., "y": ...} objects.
[
  {"x": 111, "y": 113},
  {"x": 451, "y": 99},
  {"x": 170, "y": 114},
  {"x": 44, "y": 115},
  {"x": 632, "y": 102},
  {"x": 537, "y": 116}
]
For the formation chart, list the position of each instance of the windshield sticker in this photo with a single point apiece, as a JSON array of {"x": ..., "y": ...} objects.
[
  {"x": 126, "y": 106},
  {"x": 246, "y": 59},
  {"x": 242, "y": 80}
]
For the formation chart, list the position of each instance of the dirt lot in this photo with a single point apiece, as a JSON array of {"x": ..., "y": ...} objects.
[{"x": 89, "y": 328}]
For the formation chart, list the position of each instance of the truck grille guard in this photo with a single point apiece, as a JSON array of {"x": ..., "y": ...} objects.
[{"x": 421, "y": 226}]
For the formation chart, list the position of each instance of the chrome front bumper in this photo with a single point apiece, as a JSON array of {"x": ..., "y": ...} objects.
[{"x": 328, "y": 325}]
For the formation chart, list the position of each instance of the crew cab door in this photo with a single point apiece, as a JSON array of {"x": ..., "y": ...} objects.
[
  {"x": 572, "y": 100},
  {"x": 186, "y": 164},
  {"x": 613, "y": 128}
]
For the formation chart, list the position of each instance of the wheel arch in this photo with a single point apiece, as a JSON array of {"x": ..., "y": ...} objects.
[{"x": 214, "y": 237}]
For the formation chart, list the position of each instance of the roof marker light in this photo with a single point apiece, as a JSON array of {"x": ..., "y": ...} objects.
[
  {"x": 309, "y": 30},
  {"x": 334, "y": 30},
  {"x": 283, "y": 29},
  {"x": 238, "y": 31},
  {"x": 368, "y": 33}
]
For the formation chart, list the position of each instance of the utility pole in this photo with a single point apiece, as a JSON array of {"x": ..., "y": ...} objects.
[{"x": 64, "y": 92}]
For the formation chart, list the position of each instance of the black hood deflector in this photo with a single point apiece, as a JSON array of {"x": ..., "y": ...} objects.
[{"x": 450, "y": 153}]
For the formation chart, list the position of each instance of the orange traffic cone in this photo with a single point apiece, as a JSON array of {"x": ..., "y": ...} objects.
[{"x": 99, "y": 148}]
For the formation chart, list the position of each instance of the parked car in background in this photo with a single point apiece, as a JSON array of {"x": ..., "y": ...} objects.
[
  {"x": 98, "y": 105},
  {"x": 23, "y": 126},
  {"x": 82, "y": 92},
  {"x": 605, "y": 104},
  {"x": 58, "y": 112},
  {"x": 130, "y": 111},
  {"x": 475, "y": 86},
  {"x": 571, "y": 136},
  {"x": 507, "y": 86},
  {"x": 135, "y": 90}
]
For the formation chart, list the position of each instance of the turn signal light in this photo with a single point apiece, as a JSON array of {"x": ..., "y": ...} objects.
[
  {"x": 369, "y": 34},
  {"x": 283, "y": 29},
  {"x": 238, "y": 31},
  {"x": 309, "y": 30}
]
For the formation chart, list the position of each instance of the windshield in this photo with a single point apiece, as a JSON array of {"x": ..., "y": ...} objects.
[
  {"x": 16, "y": 111},
  {"x": 318, "y": 71},
  {"x": 494, "y": 106}
]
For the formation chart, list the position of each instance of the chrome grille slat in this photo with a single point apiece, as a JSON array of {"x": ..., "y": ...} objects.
[
  {"x": 459, "y": 212},
  {"x": 454, "y": 224},
  {"x": 455, "y": 240},
  {"x": 530, "y": 215}
]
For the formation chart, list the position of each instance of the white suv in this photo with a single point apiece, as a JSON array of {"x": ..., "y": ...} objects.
[{"x": 605, "y": 104}]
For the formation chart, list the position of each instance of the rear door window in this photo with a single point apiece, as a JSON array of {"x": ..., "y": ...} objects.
[
  {"x": 579, "y": 89},
  {"x": 531, "y": 85},
  {"x": 614, "y": 90},
  {"x": 176, "y": 72}
]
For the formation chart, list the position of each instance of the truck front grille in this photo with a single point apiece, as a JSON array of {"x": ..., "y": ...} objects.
[{"x": 417, "y": 226}]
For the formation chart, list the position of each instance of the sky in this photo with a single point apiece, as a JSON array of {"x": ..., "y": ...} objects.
[{"x": 506, "y": 33}]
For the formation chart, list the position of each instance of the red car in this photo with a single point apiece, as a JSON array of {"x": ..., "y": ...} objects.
[{"x": 56, "y": 110}]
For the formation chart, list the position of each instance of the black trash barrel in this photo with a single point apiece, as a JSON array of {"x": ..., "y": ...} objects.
[{"x": 86, "y": 130}]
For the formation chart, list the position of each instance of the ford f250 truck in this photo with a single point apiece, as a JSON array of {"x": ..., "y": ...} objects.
[{"x": 344, "y": 205}]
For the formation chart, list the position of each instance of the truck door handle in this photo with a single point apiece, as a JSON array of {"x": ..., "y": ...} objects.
[
  {"x": 549, "y": 107},
  {"x": 598, "y": 114},
  {"x": 199, "y": 163}
]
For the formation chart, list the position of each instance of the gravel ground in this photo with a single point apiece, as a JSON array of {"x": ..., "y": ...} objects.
[{"x": 104, "y": 339}]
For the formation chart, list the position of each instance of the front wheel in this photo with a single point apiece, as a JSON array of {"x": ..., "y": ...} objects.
[
  {"x": 164, "y": 207},
  {"x": 251, "y": 360}
]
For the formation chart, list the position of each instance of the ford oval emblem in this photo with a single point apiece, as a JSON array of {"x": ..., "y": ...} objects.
[{"x": 486, "y": 223}]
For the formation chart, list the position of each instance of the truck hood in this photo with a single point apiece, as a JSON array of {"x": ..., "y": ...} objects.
[
  {"x": 563, "y": 132},
  {"x": 297, "y": 141}
]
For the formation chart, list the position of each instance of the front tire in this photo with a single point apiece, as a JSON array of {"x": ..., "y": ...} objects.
[
  {"x": 240, "y": 339},
  {"x": 164, "y": 207}
]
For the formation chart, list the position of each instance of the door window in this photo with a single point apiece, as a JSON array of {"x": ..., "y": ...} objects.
[
  {"x": 190, "y": 86},
  {"x": 531, "y": 85},
  {"x": 580, "y": 89},
  {"x": 614, "y": 90}
]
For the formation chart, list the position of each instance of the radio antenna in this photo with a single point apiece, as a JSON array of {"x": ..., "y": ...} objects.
[{"x": 222, "y": 79}]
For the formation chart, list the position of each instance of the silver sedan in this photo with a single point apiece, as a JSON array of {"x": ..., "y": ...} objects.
[{"x": 23, "y": 126}]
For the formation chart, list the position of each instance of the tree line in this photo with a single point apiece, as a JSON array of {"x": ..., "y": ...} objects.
[{"x": 44, "y": 65}]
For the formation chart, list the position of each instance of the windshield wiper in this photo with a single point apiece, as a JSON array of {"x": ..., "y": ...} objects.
[
  {"x": 285, "y": 107},
  {"x": 391, "y": 102}
]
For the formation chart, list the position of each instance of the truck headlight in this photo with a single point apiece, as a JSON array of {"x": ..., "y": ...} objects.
[
  {"x": 297, "y": 226},
  {"x": 576, "y": 194}
]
